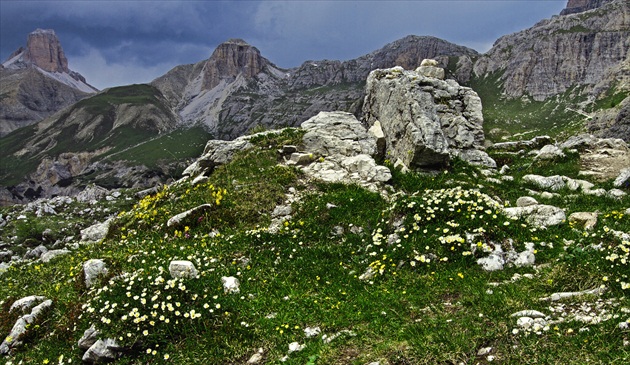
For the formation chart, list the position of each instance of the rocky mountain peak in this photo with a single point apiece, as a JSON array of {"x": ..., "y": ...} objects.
[
  {"x": 43, "y": 50},
  {"x": 230, "y": 59},
  {"x": 578, "y": 6}
]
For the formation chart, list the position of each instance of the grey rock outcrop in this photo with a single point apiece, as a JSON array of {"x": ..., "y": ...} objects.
[
  {"x": 612, "y": 123},
  {"x": 13, "y": 339},
  {"x": 343, "y": 150},
  {"x": 337, "y": 133},
  {"x": 89, "y": 338},
  {"x": 216, "y": 153},
  {"x": 539, "y": 215},
  {"x": 426, "y": 121},
  {"x": 600, "y": 158},
  {"x": 578, "y": 6},
  {"x": 102, "y": 351},
  {"x": 563, "y": 52},
  {"x": 623, "y": 180}
]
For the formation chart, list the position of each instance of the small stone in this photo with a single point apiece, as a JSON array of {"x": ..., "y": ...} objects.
[
  {"x": 493, "y": 262},
  {"x": 623, "y": 179},
  {"x": 526, "y": 201},
  {"x": 191, "y": 214},
  {"x": 231, "y": 285},
  {"x": 281, "y": 211},
  {"x": 616, "y": 193},
  {"x": 92, "y": 270},
  {"x": 586, "y": 220},
  {"x": 312, "y": 331},
  {"x": 257, "y": 357},
  {"x": 182, "y": 269},
  {"x": 368, "y": 274},
  {"x": 89, "y": 338},
  {"x": 529, "y": 313},
  {"x": 96, "y": 232},
  {"x": 52, "y": 254},
  {"x": 299, "y": 158},
  {"x": 484, "y": 351},
  {"x": 295, "y": 347},
  {"x": 525, "y": 322}
]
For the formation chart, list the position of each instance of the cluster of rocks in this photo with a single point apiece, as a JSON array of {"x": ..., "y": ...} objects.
[
  {"x": 416, "y": 120},
  {"x": 56, "y": 241}
]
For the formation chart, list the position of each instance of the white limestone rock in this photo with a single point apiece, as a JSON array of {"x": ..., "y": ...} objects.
[
  {"x": 24, "y": 305},
  {"x": 623, "y": 180},
  {"x": 191, "y": 214},
  {"x": 48, "y": 256},
  {"x": 96, "y": 232},
  {"x": 549, "y": 152},
  {"x": 180, "y": 269},
  {"x": 586, "y": 220},
  {"x": 526, "y": 201},
  {"x": 231, "y": 285},
  {"x": 94, "y": 269},
  {"x": 426, "y": 121},
  {"x": 13, "y": 339},
  {"x": 540, "y": 215}
]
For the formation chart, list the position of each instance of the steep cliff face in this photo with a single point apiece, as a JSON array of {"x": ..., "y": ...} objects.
[
  {"x": 43, "y": 50},
  {"x": 232, "y": 59},
  {"x": 36, "y": 82},
  {"x": 407, "y": 52},
  {"x": 578, "y": 6},
  {"x": 574, "y": 50}
]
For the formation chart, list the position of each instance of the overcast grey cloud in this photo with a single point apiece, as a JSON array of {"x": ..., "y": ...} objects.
[{"x": 122, "y": 42}]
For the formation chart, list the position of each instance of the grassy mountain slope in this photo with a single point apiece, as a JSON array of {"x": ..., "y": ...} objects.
[
  {"x": 428, "y": 302},
  {"x": 559, "y": 116},
  {"x": 110, "y": 123}
]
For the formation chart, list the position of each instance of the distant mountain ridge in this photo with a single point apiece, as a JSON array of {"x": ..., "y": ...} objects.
[
  {"x": 36, "y": 82},
  {"x": 558, "y": 73},
  {"x": 237, "y": 89}
]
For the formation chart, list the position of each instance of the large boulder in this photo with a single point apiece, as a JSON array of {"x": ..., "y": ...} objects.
[
  {"x": 338, "y": 148},
  {"x": 337, "y": 133},
  {"x": 426, "y": 121}
]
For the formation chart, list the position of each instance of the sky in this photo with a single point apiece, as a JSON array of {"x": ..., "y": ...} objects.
[{"x": 113, "y": 43}]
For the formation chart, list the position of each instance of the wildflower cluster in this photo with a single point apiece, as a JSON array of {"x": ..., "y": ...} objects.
[
  {"x": 154, "y": 210},
  {"x": 437, "y": 226},
  {"x": 617, "y": 252},
  {"x": 150, "y": 307}
]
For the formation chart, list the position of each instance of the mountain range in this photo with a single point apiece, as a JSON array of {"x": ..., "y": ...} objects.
[{"x": 567, "y": 73}]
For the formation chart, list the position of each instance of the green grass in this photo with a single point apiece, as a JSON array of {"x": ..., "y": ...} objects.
[
  {"x": 137, "y": 94},
  {"x": 428, "y": 302},
  {"x": 523, "y": 119}
]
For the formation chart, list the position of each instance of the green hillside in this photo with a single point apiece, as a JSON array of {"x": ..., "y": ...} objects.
[{"x": 428, "y": 302}]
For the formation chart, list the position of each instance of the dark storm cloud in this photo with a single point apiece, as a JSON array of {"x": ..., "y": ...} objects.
[{"x": 122, "y": 42}]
